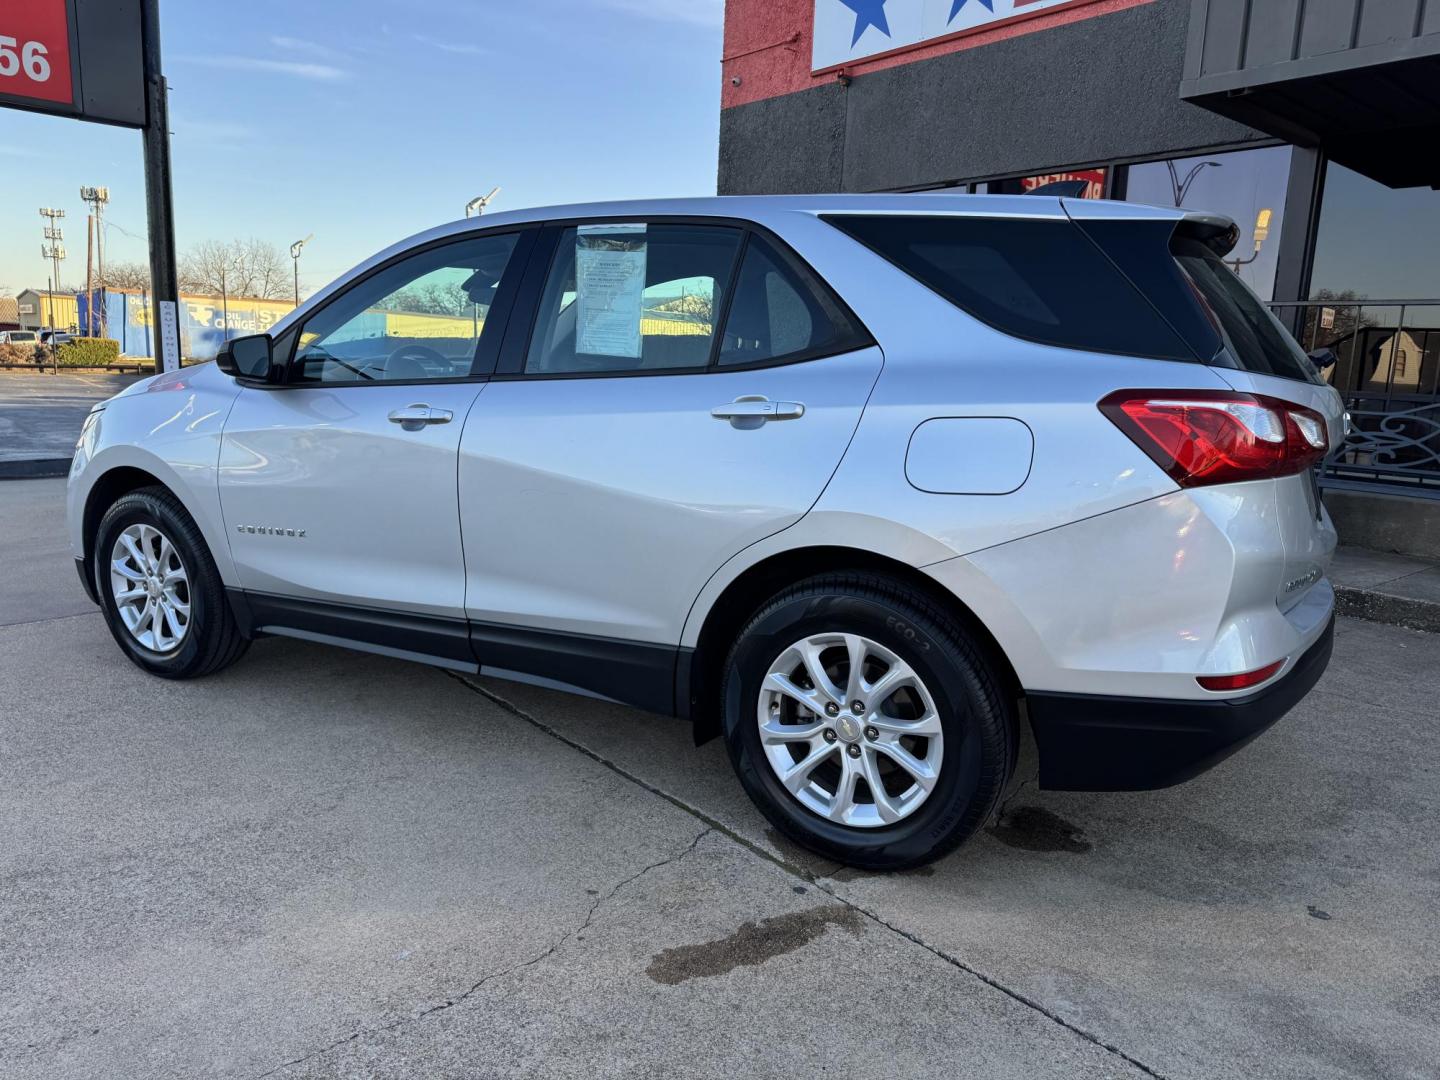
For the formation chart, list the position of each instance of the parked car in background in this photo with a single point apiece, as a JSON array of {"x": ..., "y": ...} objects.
[
  {"x": 53, "y": 338},
  {"x": 861, "y": 483},
  {"x": 18, "y": 337}
]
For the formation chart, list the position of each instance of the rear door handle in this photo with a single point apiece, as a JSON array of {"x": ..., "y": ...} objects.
[
  {"x": 415, "y": 417},
  {"x": 753, "y": 411}
]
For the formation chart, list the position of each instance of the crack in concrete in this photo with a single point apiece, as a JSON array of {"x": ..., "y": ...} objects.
[
  {"x": 450, "y": 1003},
  {"x": 1004, "y": 807},
  {"x": 715, "y": 825}
]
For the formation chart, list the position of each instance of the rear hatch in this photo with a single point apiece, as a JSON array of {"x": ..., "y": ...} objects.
[
  {"x": 1181, "y": 269},
  {"x": 1139, "y": 281}
]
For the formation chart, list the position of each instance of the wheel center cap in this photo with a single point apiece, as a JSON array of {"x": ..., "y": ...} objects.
[{"x": 848, "y": 728}]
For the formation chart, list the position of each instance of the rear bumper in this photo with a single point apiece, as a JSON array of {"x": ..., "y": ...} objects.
[{"x": 1090, "y": 742}]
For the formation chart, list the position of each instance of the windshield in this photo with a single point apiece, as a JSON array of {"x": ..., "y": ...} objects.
[{"x": 1256, "y": 340}]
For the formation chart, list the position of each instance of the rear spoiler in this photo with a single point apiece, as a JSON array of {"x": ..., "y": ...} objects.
[{"x": 1215, "y": 231}]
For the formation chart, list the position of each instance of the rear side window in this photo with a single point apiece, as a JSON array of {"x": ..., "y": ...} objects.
[
  {"x": 628, "y": 296},
  {"x": 1257, "y": 341},
  {"x": 1038, "y": 279},
  {"x": 780, "y": 312}
]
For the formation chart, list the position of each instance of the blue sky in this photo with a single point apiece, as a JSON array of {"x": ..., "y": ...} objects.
[{"x": 363, "y": 121}]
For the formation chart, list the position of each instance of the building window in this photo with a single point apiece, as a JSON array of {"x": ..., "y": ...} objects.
[
  {"x": 1376, "y": 242},
  {"x": 1247, "y": 186},
  {"x": 1089, "y": 182}
]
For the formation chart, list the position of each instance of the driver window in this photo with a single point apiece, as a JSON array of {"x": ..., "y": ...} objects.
[{"x": 421, "y": 318}]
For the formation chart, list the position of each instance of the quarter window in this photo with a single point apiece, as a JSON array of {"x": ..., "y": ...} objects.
[
  {"x": 780, "y": 311},
  {"x": 1039, "y": 279},
  {"x": 421, "y": 318},
  {"x": 632, "y": 297}
]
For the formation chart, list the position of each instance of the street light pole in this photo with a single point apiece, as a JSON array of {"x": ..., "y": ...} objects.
[
  {"x": 478, "y": 204},
  {"x": 1181, "y": 188},
  {"x": 295, "y": 249}
]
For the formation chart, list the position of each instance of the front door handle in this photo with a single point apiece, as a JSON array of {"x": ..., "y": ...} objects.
[
  {"x": 753, "y": 410},
  {"x": 415, "y": 417}
]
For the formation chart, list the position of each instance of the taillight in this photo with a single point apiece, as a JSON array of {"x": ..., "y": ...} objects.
[
  {"x": 1239, "y": 682},
  {"x": 1219, "y": 436}
]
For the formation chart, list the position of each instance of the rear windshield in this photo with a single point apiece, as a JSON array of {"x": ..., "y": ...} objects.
[
  {"x": 1039, "y": 279},
  {"x": 1257, "y": 341}
]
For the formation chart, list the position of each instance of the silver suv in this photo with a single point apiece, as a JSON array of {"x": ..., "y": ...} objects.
[{"x": 860, "y": 483}]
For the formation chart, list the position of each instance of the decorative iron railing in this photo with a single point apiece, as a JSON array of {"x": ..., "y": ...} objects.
[{"x": 1387, "y": 368}]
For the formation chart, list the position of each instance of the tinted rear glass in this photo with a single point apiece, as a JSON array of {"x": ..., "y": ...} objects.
[
  {"x": 1257, "y": 341},
  {"x": 1039, "y": 279}
]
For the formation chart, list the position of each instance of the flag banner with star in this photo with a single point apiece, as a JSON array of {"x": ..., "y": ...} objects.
[{"x": 847, "y": 30}]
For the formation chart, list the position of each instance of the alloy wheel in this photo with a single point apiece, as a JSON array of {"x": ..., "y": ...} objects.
[
  {"x": 151, "y": 588},
  {"x": 850, "y": 730}
]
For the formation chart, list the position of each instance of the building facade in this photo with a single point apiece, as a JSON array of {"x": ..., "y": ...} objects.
[
  {"x": 1314, "y": 124},
  {"x": 38, "y": 309}
]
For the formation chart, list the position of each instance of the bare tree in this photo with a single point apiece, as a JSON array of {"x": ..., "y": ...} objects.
[
  {"x": 127, "y": 275},
  {"x": 1347, "y": 314},
  {"x": 250, "y": 267},
  {"x": 431, "y": 298}
]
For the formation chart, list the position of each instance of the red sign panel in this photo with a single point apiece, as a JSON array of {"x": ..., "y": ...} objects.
[
  {"x": 35, "y": 50},
  {"x": 1094, "y": 181}
]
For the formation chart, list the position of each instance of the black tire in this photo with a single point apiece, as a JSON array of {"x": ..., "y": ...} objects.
[
  {"x": 213, "y": 640},
  {"x": 977, "y": 718}
]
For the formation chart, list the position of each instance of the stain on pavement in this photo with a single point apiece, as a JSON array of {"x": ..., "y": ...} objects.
[
  {"x": 751, "y": 945},
  {"x": 1033, "y": 828}
]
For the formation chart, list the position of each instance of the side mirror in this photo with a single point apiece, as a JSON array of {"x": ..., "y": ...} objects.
[
  {"x": 246, "y": 357},
  {"x": 1322, "y": 358}
]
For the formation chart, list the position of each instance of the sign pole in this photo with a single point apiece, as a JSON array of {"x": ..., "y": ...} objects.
[{"x": 158, "y": 201}]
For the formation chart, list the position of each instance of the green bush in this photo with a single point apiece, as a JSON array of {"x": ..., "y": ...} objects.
[{"x": 88, "y": 352}]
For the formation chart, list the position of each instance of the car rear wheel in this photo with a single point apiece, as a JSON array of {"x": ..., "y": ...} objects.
[
  {"x": 866, "y": 722},
  {"x": 159, "y": 588}
]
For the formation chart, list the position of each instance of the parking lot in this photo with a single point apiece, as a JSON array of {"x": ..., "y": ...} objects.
[
  {"x": 327, "y": 864},
  {"x": 41, "y": 413}
]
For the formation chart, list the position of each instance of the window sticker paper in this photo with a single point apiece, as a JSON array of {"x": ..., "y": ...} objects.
[{"x": 610, "y": 262}]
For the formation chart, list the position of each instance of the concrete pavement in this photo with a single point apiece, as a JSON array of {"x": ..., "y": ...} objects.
[
  {"x": 40, "y": 414},
  {"x": 326, "y": 864}
]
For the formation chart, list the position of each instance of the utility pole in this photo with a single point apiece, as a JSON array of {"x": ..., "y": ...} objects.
[
  {"x": 54, "y": 250},
  {"x": 89, "y": 275},
  {"x": 96, "y": 197},
  {"x": 158, "y": 199}
]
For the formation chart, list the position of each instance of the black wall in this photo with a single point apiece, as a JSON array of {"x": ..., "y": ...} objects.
[{"x": 1097, "y": 90}]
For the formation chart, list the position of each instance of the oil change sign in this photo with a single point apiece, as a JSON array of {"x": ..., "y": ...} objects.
[{"x": 35, "y": 51}]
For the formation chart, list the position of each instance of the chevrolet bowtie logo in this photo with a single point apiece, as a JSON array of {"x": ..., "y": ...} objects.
[{"x": 266, "y": 530}]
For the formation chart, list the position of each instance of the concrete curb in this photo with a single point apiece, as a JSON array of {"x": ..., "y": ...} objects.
[
  {"x": 34, "y": 469},
  {"x": 1384, "y": 608}
]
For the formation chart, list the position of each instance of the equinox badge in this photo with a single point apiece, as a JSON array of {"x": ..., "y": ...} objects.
[{"x": 266, "y": 530}]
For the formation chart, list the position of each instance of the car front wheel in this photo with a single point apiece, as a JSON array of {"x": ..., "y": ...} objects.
[
  {"x": 866, "y": 722},
  {"x": 159, "y": 589}
]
